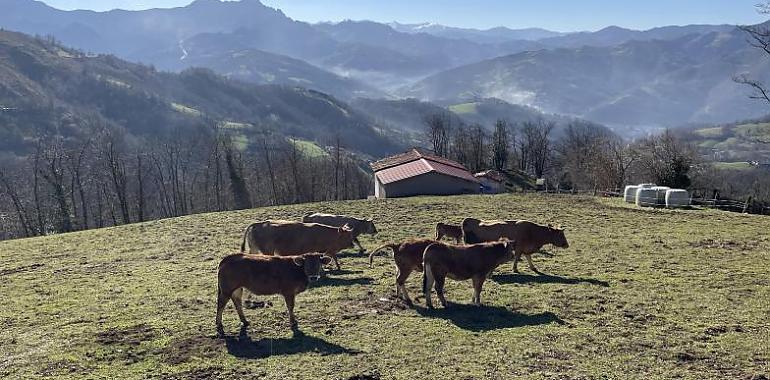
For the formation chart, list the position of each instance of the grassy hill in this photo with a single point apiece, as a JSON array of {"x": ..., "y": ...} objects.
[
  {"x": 732, "y": 144},
  {"x": 48, "y": 88},
  {"x": 639, "y": 294}
]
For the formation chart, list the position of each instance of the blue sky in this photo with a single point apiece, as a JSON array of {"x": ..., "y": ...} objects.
[{"x": 562, "y": 15}]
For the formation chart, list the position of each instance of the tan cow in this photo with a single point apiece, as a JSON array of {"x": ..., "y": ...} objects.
[
  {"x": 530, "y": 237},
  {"x": 449, "y": 230},
  {"x": 359, "y": 226},
  {"x": 285, "y": 238},
  {"x": 408, "y": 258},
  {"x": 474, "y": 262},
  {"x": 265, "y": 275}
]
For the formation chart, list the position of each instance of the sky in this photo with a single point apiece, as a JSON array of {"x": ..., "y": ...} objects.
[{"x": 559, "y": 15}]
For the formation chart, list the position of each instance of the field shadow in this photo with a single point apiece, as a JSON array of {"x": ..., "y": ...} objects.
[
  {"x": 487, "y": 318},
  {"x": 345, "y": 254},
  {"x": 242, "y": 346},
  {"x": 546, "y": 279},
  {"x": 336, "y": 281}
]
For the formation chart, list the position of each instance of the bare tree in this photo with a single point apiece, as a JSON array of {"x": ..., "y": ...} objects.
[
  {"x": 758, "y": 37},
  {"x": 500, "y": 145},
  {"x": 438, "y": 129},
  {"x": 535, "y": 146}
]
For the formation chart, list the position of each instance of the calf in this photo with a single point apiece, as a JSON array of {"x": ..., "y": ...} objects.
[
  {"x": 449, "y": 230},
  {"x": 530, "y": 237},
  {"x": 284, "y": 238},
  {"x": 408, "y": 258},
  {"x": 265, "y": 275},
  {"x": 359, "y": 226},
  {"x": 461, "y": 263}
]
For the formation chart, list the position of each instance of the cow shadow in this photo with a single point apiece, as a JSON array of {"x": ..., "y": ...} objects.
[
  {"x": 487, "y": 318},
  {"x": 513, "y": 278},
  {"x": 242, "y": 346},
  {"x": 337, "y": 281},
  {"x": 343, "y": 271},
  {"x": 344, "y": 254}
]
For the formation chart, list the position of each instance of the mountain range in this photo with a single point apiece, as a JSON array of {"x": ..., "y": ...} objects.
[{"x": 633, "y": 80}]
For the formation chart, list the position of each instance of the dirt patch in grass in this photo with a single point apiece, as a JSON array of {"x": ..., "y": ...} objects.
[
  {"x": 364, "y": 377},
  {"x": 211, "y": 373},
  {"x": 133, "y": 336},
  {"x": 125, "y": 344},
  {"x": 725, "y": 244},
  {"x": 62, "y": 368},
  {"x": 180, "y": 351},
  {"x": 371, "y": 303},
  {"x": 25, "y": 268}
]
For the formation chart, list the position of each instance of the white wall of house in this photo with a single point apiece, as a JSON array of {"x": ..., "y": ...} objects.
[{"x": 427, "y": 184}]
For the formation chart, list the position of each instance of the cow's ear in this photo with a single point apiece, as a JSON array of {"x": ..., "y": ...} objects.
[
  {"x": 299, "y": 261},
  {"x": 326, "y": 260}
]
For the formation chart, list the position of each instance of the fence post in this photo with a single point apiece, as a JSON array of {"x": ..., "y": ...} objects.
[{"x": 748, "y": 204}]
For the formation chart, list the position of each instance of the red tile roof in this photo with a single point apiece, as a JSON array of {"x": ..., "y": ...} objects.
[
  {"x": 415, "y": 163},
  {"x": 412, "y": 155}
]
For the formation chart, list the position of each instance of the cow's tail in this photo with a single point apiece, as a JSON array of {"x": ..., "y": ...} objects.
[
  {"x": 438, "y": 233},
  {"x": 388, "y": 245},
  {"x": 245, "y": 237},
  {"x": 427, "y": 277}
]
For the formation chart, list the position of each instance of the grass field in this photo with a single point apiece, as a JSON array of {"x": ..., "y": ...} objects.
[{"x": 640, "y": 294}]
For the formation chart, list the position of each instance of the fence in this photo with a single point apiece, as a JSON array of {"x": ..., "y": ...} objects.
[{"x": 747, "y": 207}]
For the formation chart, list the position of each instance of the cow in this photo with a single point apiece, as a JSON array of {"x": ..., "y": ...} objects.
[
  {"x": 265, "y": 275},
  {"x": 359, "y": 226},
  {"x": 461, "y": 263},
  {"x": 286, "y": 238},
  {"x": 408, "y": 258},
  {"x": 530, "y": 237},
  {"x": 449, "y": 230}
]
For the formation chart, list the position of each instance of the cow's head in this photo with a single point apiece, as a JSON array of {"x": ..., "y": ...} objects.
[
  {"x": 312, "y": 264},
  {"x": 367, "y": 227},
  {"x": 558, "y": 238},
  {"x": 346, "y": 236}
]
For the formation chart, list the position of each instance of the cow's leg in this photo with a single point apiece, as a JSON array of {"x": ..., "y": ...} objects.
[
  {"x": 516, "y": 257},
  {"x": 333, "y": 255},
  {"x": 358, "y": 243},
  {"x": 289, "y": 298},
  {"x": 237, "y": 298},
  {"x": 478, "y": 282},
  {"x": 403, "y": 274},
  {"x": 440, "y": 281},
  {"x": 531, "y": 266},
  {"x": 222, "y": 299}
]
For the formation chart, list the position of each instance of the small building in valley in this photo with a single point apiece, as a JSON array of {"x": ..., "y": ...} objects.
[
  {"x": 418, "y": 172},
  {"x": 492, "y": 181}
]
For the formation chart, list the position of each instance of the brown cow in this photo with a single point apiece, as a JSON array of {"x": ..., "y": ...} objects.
[
  {"x": 359, "y": 226},
  {"x": 449, "y": 230},
  {"x": 285, "y": 238},
  {"x": 408, "y": 258},
  {"x": 265, "y": 275},
  {"x": 461, "y": 263},
  {"x": 530, "y": 237}
]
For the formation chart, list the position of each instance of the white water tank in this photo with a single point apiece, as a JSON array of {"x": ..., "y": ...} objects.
[
  {"x": 629, "y": 195},
  {"x": 677, "y": 198},
  {"x": 646, "y": 197}
]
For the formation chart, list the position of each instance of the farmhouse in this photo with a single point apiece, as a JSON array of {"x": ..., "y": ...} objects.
[
  {"x": 417, "y": 172},
  {"x": 492, "y": 181}
]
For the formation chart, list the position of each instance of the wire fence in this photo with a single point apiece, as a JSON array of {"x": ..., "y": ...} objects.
[{"x": 747, "y": 207}]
